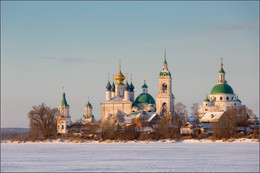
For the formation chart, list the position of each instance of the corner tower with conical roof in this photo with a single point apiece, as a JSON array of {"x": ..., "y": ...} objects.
[
  {"x": 64, "y": 118},
  {"x": 165, "y": 97}
]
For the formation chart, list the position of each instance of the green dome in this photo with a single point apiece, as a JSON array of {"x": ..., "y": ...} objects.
[
  {"x": 222, "y": 88},
  {"x": 206, "y": 100},
  {"x": 144, "y": 98}
]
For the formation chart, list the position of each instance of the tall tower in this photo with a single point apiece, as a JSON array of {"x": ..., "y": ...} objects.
[
  {"x": 64, "y": 118},
  {"x": 165, "y": 98}
]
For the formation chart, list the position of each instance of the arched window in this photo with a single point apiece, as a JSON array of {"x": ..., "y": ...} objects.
[
  {"x": 227, "y": 98},
  {"x": 62, "y": 127},
  {"x": 232, "y": 98},
  {"x": 221, "y": 98},
  {"x": 164, "y": 87},
  {"x": 164, "y": 74},
  {"x": 235, "y": 104},
  {"x": 164, "y": 108}
]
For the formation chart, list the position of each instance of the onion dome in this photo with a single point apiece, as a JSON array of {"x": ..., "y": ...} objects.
[
  {"x": 108, "y": 86},
  {"x": 88, "y": 105},
  {"x": 120, "y": 77},
  {"x": 126, "y": 86},
  {"x": 64, "y": 101},
  {"x": 222, "y": 89},
  {"x": 131, "y": 87},
  {"x": 144, "y": 85},
  {"x": 144, "y": 98},
  {"x": 113, "y": 87},
  {"x": 206, "y": 99},
  {"x": 237, "y": 99}
]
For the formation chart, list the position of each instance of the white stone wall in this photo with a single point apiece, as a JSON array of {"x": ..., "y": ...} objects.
[
  {"x": 119, "y": 90},
  {"x": 112, "y": 108}
]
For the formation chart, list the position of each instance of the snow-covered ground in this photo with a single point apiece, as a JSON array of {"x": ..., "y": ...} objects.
[{"x": 150, "y": 157}]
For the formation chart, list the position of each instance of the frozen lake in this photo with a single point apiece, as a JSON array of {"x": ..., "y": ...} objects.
[{"x": 149, "y": 157}]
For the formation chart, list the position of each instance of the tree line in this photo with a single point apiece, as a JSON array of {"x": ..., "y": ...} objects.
[{"x": 43, "y": 124}]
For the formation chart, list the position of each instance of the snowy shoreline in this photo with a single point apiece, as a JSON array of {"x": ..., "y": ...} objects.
[{"x": 240, "y": 140}]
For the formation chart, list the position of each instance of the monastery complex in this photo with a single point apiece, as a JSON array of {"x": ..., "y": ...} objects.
[{"x": 121, "y": 106}]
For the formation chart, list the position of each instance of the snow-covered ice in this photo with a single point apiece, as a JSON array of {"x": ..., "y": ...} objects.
[{"x": 149, "y": 157}]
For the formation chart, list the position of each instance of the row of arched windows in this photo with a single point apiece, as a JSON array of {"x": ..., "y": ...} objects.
[{"x": 221, "y": 98}]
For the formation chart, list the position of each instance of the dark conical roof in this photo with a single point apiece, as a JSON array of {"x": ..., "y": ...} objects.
[
  {"x": 113, "y": 87},
  {"x": 108, "y": 86},
  {"x": 131, "y": 87},
  {"x": 126, "y": 86}
]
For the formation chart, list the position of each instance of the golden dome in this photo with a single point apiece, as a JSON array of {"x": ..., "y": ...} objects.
[{"x": 119, "y": 77}]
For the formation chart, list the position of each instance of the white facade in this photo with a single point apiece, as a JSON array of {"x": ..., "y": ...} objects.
[
  {"x": 165, "y": 98},
  {"x": 121, "y": 97}
]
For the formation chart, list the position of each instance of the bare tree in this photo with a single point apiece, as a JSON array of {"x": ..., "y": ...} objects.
[
  {"x": 195, "y": 113},
  {"x": 43, "y": 120},
  {"x": 180, "y": 108}
]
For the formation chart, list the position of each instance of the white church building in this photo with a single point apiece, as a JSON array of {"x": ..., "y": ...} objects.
[
  {"x": 120, "y": 98},
  {"x": 222, "y": 96}
]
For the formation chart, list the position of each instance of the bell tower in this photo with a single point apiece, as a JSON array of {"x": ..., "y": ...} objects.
[{"x": 165, "y": 98}]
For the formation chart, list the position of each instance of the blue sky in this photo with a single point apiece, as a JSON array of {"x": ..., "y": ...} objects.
[{"x": 48, "y": 45}]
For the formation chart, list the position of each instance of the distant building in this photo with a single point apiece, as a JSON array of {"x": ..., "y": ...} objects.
[
  {"x": 88, "y": 117},
  {"x": 64, "y": 118},
  {"x": 211, "y": 118},
  {"x": 120, "y": 100},
  {"x": 221, "y": 98},
  {"x": 64, "y": 123}
]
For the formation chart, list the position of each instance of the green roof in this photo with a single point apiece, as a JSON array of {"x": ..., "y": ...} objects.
[
  {"x": 64, "y": 101},
  {"x": 88, "y": 105},
  {"x": 165, "y": 62},
  {"x": 206, "y": 100},
  {"x": 144, "y": 98},
  {"x": 221, "y": 70},
  {"x": 144, "y": 86},
  {"x": 166, "y": 74},
  {"x": 150, "y": 105},
  {"x": 222, "y": 88}
]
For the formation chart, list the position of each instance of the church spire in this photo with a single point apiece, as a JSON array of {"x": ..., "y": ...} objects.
[
  {"x": 64, "y": 101},
  {"x": 165, "y": 62},
  {"x": 165, "y": 71}
]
